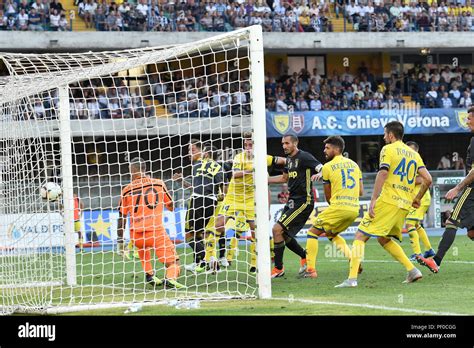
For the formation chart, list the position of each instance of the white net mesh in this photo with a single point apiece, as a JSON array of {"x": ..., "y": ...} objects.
[{"x": 146, "y": 103}]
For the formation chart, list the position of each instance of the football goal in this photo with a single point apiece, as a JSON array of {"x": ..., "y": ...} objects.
[{"x": 78, "y": 120}]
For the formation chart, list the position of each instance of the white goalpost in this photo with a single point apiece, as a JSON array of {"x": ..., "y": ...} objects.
[{"x": 78, "y": 120}]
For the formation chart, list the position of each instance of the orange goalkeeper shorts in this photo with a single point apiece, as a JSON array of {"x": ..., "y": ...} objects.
[{"x": 159, "y": 241}]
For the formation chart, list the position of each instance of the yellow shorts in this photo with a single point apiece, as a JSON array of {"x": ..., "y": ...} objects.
[
  {"x": 335, "y": 220},
  {"x": 244, "y": 210},
  {"x": 77, "y": 226},
  {"x": 388, "y": 221},
  {"x": 418, "y": 214},
  {"x": 239, "y": 224}
]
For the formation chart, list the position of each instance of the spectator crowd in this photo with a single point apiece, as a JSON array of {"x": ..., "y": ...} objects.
[
  {"x": 228, "y": 93},
  {"x": 226, "y": 15},
  {"x": 36, "y": 15},
  {"x": 214, "y": 95},
  {"x": 304, "y": 91},
  {"x": 411, "y": 16}
]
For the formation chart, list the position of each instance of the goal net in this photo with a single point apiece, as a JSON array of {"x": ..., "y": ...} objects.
[{"x": 80, "y": 120}]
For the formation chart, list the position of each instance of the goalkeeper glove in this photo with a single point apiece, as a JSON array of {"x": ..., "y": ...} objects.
[{"x": 122, "y": 251}]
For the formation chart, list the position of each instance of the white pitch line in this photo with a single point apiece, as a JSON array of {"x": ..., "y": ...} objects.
[
  {"x": 366, "y": 305},
  {"x": 392, "y": 261}
]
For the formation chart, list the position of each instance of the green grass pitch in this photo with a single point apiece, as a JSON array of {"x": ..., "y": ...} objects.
[{"x": 380, "y": 290}]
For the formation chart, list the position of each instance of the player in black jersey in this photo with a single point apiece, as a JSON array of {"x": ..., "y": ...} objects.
[
  {"x": 206, "y": 180},
  {"x": 299, "y": 170},
  {"x": 463, "y": 212},
  {"x": 213, "y": 236}
]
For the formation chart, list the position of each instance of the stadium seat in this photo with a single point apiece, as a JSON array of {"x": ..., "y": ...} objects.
[{"x": 160, "y": 110}]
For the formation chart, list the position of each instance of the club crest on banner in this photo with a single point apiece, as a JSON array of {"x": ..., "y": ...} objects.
[
  {"x": 297, "y": 122},
  {"x": 281, "y": 123},
  {"x": 461, "y": 117},
  {"x": 285, "y": 122}
]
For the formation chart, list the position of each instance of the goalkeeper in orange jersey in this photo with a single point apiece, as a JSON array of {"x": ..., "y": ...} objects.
[{"x": 143, "y": 201}]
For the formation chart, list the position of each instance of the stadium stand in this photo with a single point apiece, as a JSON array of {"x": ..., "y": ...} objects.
[
  {"x": 273, "y": 16},
  {"x": 303, "y": 91},
  {"x": 450, "y": 87}
]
